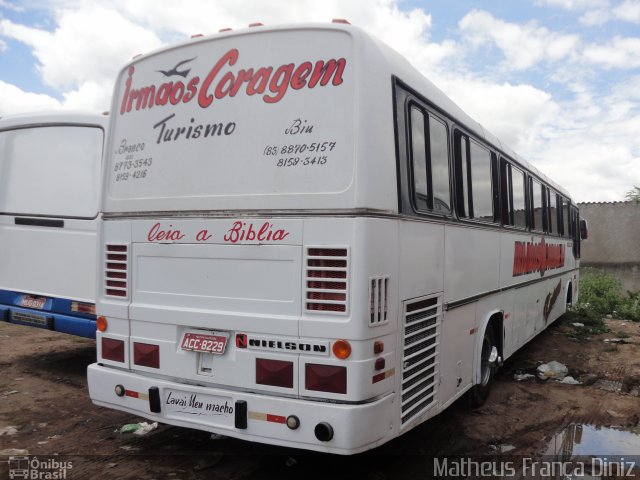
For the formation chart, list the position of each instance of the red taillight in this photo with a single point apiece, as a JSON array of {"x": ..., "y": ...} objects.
[
  {"x": 325, "y": 378},
  {"x": 113, "y": 349},
  {"x": 88, "y": 308},
  {"x": 115, "y": 272},
  {"x": 146, "y": 355},
  {"x": 274, "y": 372}
]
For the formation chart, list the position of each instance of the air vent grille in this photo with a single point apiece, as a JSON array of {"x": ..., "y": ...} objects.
[
  {"x": 116, "y": 271},
  {"x": 327, "y": 279},
  {"x": 420, "y": 356},
  {"x": 378, "y": 301}
]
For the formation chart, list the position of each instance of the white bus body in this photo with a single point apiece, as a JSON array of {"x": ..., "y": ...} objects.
[
  {"x": 266, "y": 200},
  {"x": 50, "y": 166}
]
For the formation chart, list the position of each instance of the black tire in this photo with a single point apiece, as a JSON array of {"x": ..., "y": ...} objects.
[{"x": 480, "y": 392}]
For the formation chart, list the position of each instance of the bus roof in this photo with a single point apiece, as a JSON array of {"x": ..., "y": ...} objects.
[
  {"x": 381, "y": 62},
  {"x": 75, "y": 117}
]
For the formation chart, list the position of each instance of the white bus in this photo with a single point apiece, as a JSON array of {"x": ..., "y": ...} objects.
[
  {"x": 50, "y": 166},
  {"x": 305, "y": 243}
]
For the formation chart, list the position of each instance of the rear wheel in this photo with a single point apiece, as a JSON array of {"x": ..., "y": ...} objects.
[{"x": 489, "y": 361}]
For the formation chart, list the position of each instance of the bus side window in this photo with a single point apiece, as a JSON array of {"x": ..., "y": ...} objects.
[
  {"x": 566, "y": 218},
  {"x": 429, "y": 163},
  {"x": 419, "y": 160},
  {"x": 554, "y": 211},
  {"x": 519, "y": 202},
  {"x": 475, "y": 180},
  {"x": 439, "y": 149},
  {"x": 505, "y": 193},
  {"x": 537, "y": 208},
  {"x": 512, "y": 195}
]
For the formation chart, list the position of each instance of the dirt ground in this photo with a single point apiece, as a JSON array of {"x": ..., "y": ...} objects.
[{"x": 45, "y": 411}]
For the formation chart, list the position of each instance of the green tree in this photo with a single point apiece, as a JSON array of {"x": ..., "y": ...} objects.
[{"x": 633, "y": 194}]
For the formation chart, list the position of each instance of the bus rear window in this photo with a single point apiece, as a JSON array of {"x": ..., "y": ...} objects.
[{"x": 50, "y": 171}]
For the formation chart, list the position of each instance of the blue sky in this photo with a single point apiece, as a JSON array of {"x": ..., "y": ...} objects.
[{"x": 556, "y": 80}]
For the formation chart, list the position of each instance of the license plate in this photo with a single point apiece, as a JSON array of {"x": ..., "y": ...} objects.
[
  {"x": 33, "y": 302},
  {"x": 215, "y": 343}
]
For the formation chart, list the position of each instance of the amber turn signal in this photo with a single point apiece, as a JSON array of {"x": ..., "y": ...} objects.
[
  {"x": 341, "y": 349},
  {"x": 101, "y": 323}
]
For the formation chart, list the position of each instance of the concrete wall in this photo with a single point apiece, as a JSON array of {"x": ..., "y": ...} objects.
[{"x": 614, "y": 240}]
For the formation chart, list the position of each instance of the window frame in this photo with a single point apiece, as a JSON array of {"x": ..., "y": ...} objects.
[
  {"x": 427, "y": 115},
  {"x": 463, "y": 178}
]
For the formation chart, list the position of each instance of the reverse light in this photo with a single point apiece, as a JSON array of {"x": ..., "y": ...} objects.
[
  {"x": 120, "y": 390},
  {"x": 101, "y": 324},
  {"x": 113, "y": 349},
  {"x": 341, "y": 349},
  {"x": 325, "y": 378},
  {"x": 293, "y": 422},
  {"x": 146, "y": 355},
  {"x": 276, "y": 373}
]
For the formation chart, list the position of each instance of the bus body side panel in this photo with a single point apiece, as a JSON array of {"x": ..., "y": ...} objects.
[
  {"x": 45, "y": 273},
  {"x": 420, "y": 321}
]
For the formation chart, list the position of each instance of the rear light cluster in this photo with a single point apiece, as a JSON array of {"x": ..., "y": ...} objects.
[
  {"x": 113, "y": 349},
  {"x": 276, "y": 373},
  {"x": 326, "y": 378},
  {"x": 146, "y": 355},
  {"x": 88, "y": 308},
  {"x": 318, "y": 377},
  {"x": 378, "y": 300},
  {"x": 327, "y": 281},
  {"x": 115, "y": 281}
]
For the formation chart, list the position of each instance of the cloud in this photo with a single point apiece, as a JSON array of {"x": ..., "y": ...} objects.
[
  {"x": 572, "y": 5},
  {"x": 88, "y": 44},
  {"x": 571, "y": 134},
  {"x": 620, "y": 52},
  {"x": 628, "y": 11},
  {"x": 523, "y": 46},
  {"x": 15, "y": 100}
]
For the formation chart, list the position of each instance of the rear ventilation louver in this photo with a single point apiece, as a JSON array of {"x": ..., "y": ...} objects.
[
  {"x": 378, "y": 298},
  {"x": 420, "y": 357},
  {"x": 327, "y": 279},
  {"x": 116, "y": 272}
]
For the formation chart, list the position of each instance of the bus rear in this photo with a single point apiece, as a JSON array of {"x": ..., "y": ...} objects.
[
  {"x": 232, "y": 231},
  {"x": 50, "y": 166}
]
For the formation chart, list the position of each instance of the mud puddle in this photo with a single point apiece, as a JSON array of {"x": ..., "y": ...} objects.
[{"x": 579, "y": 440}]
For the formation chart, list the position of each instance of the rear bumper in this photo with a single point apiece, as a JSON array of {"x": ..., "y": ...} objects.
[
  {"x": 58, "y": 322},
  {"x": 356, "y": 428}
]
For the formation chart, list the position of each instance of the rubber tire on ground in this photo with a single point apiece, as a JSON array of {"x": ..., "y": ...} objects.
[{"x": 480, "y": 392}]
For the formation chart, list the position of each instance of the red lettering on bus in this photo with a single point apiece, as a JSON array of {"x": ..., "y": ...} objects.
[
  {"x": 539, "y": 257},
  {"x": 271, "y": 82},
  {"x": 241, "y": 232},
  {"x": 156, "y": 234}
]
